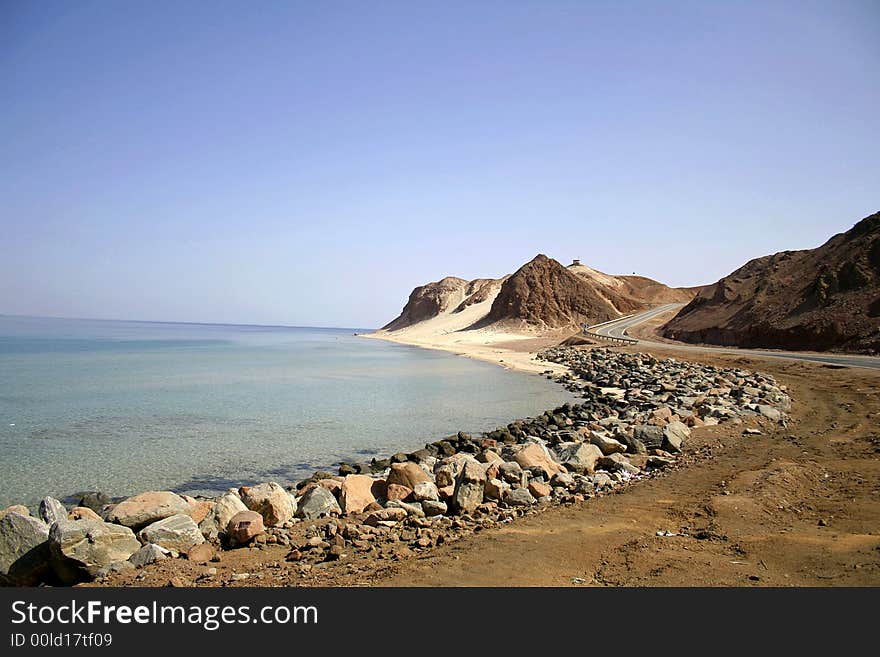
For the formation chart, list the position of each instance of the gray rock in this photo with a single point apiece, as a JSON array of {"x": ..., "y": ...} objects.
[
  {"x": 519, "y": 497},
  {"x": 94, "y": 500},
  {"x": 579, "y": 457},
  {"x": 51, "y": 510},
  {"x": 562, "y": 480},
  {"x": 141, "y": 510},
  {"x": 617, "y": 463},
  {"x": 178, "y": 533},
  {"x": 674, "y": 435},
  {"x": 511, "y": 472},
  {"x": 651, "y": 436},
  {"x": 469, "y": 487},
  {"x": 316, "y": 503},
  {"x": 115, "y": 567},
  {"x": 426, "y": 490},
  {"x": 24, "y": 550},
  {"x": 432, "y": 508},
  {"x": 80, "y": 548},
  {"x": 148, "y": 554},
  {"x": 607, "y": 444},
  {"x": 413, "y": 509},
  {"x": 769, "y": 412}
]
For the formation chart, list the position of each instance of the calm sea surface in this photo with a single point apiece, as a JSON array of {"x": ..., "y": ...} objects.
[{"x": 124, "y": 407}]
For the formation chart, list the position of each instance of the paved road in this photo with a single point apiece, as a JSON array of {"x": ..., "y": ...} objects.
[{"x": 618, "y": 328}]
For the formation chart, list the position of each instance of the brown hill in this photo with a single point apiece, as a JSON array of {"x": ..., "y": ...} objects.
[
  {"x": 827, "y": 298},
  {"x": 430, "y": 300},
  {"x": 545, "y": 294}
]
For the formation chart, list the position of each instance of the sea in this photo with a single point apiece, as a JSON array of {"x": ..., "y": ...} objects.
[{"x": 124, "y": 407}]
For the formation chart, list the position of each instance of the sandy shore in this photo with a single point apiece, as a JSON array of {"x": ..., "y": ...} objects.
[{"x": 450, "y": 332}]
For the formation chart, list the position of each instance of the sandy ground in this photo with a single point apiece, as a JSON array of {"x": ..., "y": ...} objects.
[{"x": 449, "y": 332}]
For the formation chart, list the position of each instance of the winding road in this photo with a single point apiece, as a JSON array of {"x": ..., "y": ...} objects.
[{"x": 618, "y": 329}]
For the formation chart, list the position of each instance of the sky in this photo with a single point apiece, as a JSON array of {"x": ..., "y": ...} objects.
[{"x": 306, "y": 163}]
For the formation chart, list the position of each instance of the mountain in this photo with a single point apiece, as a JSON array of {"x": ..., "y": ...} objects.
[
  {"x": 827, "y": 298},
  {"x": 542, "y": 294}
]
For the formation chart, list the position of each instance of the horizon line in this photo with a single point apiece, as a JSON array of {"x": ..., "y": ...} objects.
[{"x": 189, "y": 323}]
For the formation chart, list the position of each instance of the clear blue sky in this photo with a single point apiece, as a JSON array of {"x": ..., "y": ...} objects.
[{"x": 309, "y": 163}]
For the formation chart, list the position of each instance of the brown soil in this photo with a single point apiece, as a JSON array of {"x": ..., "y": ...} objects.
[{"x": 793, "y": 506}]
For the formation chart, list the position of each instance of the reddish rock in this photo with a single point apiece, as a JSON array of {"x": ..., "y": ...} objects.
[
  {"x": 693, "y": 421},
  {"x": 533, "y": 455},
  {"x": 83, "y": 513},
  {"x": 398, "y": 492},
  {"x": 244, "y": 526},
  {"x": 407, "y": 474},
  {"x": 356, "y": 493},
  {"x": 333, "y": 485},
  {"x": 198, "y": 509},
  {"x": 269, "y": 500},
  {"x": 201, "y": 553},
  {"x": 539, "y": 489},
  {"x": 146, "y": 508},
  {"x": 385, "y": 515},
  {"x": 446, "y": 492}
]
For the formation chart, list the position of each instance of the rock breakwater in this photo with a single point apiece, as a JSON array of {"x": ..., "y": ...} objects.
[{"x": 634, "y": 421}]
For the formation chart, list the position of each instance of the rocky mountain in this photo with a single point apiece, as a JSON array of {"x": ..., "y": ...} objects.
[
  {"x": 827, "y": 298},
  {"x": 545, "y": 294},
  {"x": 541, "y": 294}
]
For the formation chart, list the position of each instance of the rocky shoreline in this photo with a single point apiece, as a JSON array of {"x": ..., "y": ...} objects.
[{"x": 635, "y": 419}]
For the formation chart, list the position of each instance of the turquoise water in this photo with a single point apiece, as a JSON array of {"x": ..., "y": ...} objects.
[{"x": 124, "y": 407}]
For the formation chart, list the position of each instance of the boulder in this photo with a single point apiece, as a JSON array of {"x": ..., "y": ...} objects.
[
  {"x": 317, "y": 503},
  {"x": 356, "y": 493},
  {"x": 198, "y": 509},
  {"x": 201, "y": 553},
  {"x": 674, "y": 435},
  {"x": 141, "y": 510},
  {"x": 407, "y": 474},
  {"x": 413, "y": 509},
  {"x": 391, "y": 514},
  {"x": 426, "y": 490},
  {"x": 80, "y": 548},
  {"x": 536, "y": 456},
  {"x": 579, "y": 457},
  {"x": 650, "y": 435},
  {"x": 398, "y": 492},
  {"x": 434, "y": 508},
  {"x": 617, "y": 462},
  {"x": 244, "y": 526},
  {"x": 20, "y": 509},
  {"x": 226, "y": 507},
  {"x": 562, "y": 480},
  {"x": 94, "y": 500},
  {"x": 51, "y": 510},
  {"x": 511, "y": 472},
  {"x": 469, "y": 487},
  {"x": 148, "y": 554},
  {"x": 519, "y": 497},
  {"x": 769, "y": 412},
  {"x": 496, "y": 489},
  {"x": 444, "y": 476},
  {"x": 24, "y": 551},
  {"x": 607, "y": 444},
  {"x": 82, "y": 513},
  {"x": 539, "y": 489},
  {"x": 178, "y": 533},
  {"x": 269, "y": 500}
]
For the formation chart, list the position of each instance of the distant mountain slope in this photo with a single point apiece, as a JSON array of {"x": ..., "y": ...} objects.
[
  {"x": 542, "y": 294},
  {"x": 827, "y": 298}
]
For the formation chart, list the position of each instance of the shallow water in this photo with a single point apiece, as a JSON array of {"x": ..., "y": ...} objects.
[{"x": 124, "y": 407}]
